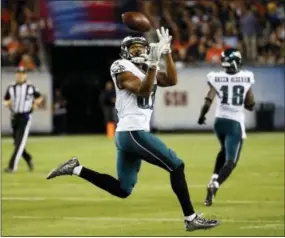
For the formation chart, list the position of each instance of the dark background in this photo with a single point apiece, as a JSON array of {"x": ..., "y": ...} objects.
[{"x": 81, "y": 73}]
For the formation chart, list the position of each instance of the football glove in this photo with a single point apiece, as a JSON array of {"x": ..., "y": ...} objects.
[
  {"x": 164, "y": 39},
  {"x": 155, "y": 54},
  {"x": 202, "y": 120}
]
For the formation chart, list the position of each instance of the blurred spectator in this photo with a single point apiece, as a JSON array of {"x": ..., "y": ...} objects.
[
  {"x": 202, "y": 29},
  {"x": 27, "y": 62},
  {"x": 249, "y": 33},
  {"x": 231, "y": 36},
  {"x": 150, "y": 9},
  {"x": 107, "y": 101},
  {"x": 11, "y": 49},
  {"x": 20, "y": 37},
  {"x": 59, "y": 112}
]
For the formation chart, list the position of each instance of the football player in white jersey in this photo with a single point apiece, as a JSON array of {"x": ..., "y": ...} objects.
[
  {"x": 136, "y": 77},
  {"x": 233, "y": 88}
]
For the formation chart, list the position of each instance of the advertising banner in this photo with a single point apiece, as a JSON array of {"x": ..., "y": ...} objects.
[{"x": 85, "y": 22}]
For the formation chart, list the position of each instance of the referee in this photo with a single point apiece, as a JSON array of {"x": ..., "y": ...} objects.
[{"x": 22, "y": 98}]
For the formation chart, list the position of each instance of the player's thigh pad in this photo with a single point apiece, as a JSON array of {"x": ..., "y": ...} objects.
[
  {"x": 233, "y": 139},
  {"x": 233, "y": 148},
  {"x": 220, "y": 130},
  {"x": 128, "y": 166},
  {"x": 229, "y": 134},
  {"x": 151, "y": 149}
]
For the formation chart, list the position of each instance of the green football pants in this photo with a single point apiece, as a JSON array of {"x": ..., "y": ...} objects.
[{"x": 135, "y": 146}]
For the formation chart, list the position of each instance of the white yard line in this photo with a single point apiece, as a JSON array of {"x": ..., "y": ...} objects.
[
  {"x": 32, "y": 199},
  {"x": 274, "y": 226},
  {"x": 50, "y": 138},
  {"x": 66, "y": 184},
  {"x": 82, "y": 199},
  {"x": 276, "y": 223},
  {"x": 33, "y": 139},
  {"x": 43, "y": 175},
  {"x": 249, "y": 202}
]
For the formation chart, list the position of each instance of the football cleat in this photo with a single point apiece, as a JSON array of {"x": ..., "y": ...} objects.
[
  {"x": 31, "y": 165},
  {"x": 211, "y": 193},
  {"x": 64, "y": 169},
  {"x": 200, "y": 223}
]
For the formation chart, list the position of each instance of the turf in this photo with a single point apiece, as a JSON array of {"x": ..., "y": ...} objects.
[{"x": 250, "y": 203}]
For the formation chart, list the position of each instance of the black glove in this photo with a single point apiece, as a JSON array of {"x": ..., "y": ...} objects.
[{"x": 202, "y": 120}]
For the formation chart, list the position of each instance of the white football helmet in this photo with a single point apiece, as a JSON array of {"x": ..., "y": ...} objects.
[{"x": 129, "y": 40}]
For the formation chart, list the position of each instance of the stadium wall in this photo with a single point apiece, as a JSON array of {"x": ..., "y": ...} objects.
[{"x": 178, "y": 107}]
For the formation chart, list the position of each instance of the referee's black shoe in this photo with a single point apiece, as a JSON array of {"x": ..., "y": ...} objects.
[
  {"x": 8, "y": 170},
  {"x": 31, "y": 165}
]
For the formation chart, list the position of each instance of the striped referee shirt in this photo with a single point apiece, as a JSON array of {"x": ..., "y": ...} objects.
[{"x": 22, "y": 97}]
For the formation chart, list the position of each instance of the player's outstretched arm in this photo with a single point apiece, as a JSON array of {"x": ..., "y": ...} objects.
[
  {"x": 129, "y": 81},
  {"x": 249, "y": 100},
  {"x": 207, "y": 104},
  {"x": 170, "y": 77}
]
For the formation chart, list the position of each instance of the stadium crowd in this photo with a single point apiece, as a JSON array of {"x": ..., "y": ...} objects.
[
  {"x": 203, "y": 29},
  {"x": 19, "y": 35}
]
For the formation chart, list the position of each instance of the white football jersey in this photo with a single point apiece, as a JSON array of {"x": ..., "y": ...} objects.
[
  {"x": 231, "y": 93},
  {"x": 134, "y": 112}
]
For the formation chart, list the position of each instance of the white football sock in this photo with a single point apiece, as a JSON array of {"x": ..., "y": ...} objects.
[
  {"x": 216, "y": 184},
  {"x": 214, "y": 177},
  {"x": 77, "y": 170},
  {"x": 191, "y": 217}
]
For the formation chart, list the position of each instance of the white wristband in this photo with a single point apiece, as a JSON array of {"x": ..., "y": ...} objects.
[
  {"x": 165, "y": 52},
  {"x": 153, "y": 65}
]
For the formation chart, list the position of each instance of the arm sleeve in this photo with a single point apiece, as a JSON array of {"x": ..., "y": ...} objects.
[
  {"x": 37, "y": 93},
  {"x": 7, "y": 94}
]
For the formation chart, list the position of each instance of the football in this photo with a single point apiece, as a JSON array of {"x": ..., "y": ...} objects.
[{"x": 136, "y": 21}]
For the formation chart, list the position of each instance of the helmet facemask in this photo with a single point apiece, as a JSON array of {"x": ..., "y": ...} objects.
[
  {"x": 231, "y": 60},
  {"x": 129, "y": 42}
]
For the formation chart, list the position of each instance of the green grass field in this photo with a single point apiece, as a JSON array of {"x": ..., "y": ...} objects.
[{"x": 251, "y": 203}]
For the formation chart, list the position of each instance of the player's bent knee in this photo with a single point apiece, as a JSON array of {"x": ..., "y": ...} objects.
[
  {"x": 126, "y": 190},
  {"x": 179, "y": 169},
  {"x": 125, "y": 194}
]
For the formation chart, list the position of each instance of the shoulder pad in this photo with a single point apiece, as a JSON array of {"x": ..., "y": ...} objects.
[
  {"x": 119, "y": 66},
  {"x": 210, "y": 76}
]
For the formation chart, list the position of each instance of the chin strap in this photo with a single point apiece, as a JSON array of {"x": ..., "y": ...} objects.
[{"x": 140, "y": 59}]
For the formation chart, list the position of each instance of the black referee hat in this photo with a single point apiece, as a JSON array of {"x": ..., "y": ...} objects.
[{"x": 21, "y": 69}]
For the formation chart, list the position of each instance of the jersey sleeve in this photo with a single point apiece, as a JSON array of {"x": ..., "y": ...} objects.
[
  {"x": 118, "y": 67},
  {"x": 252, "y": 81},
  {"x": 210, "y": 78},
  {"x": 7, "y": 95}
]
